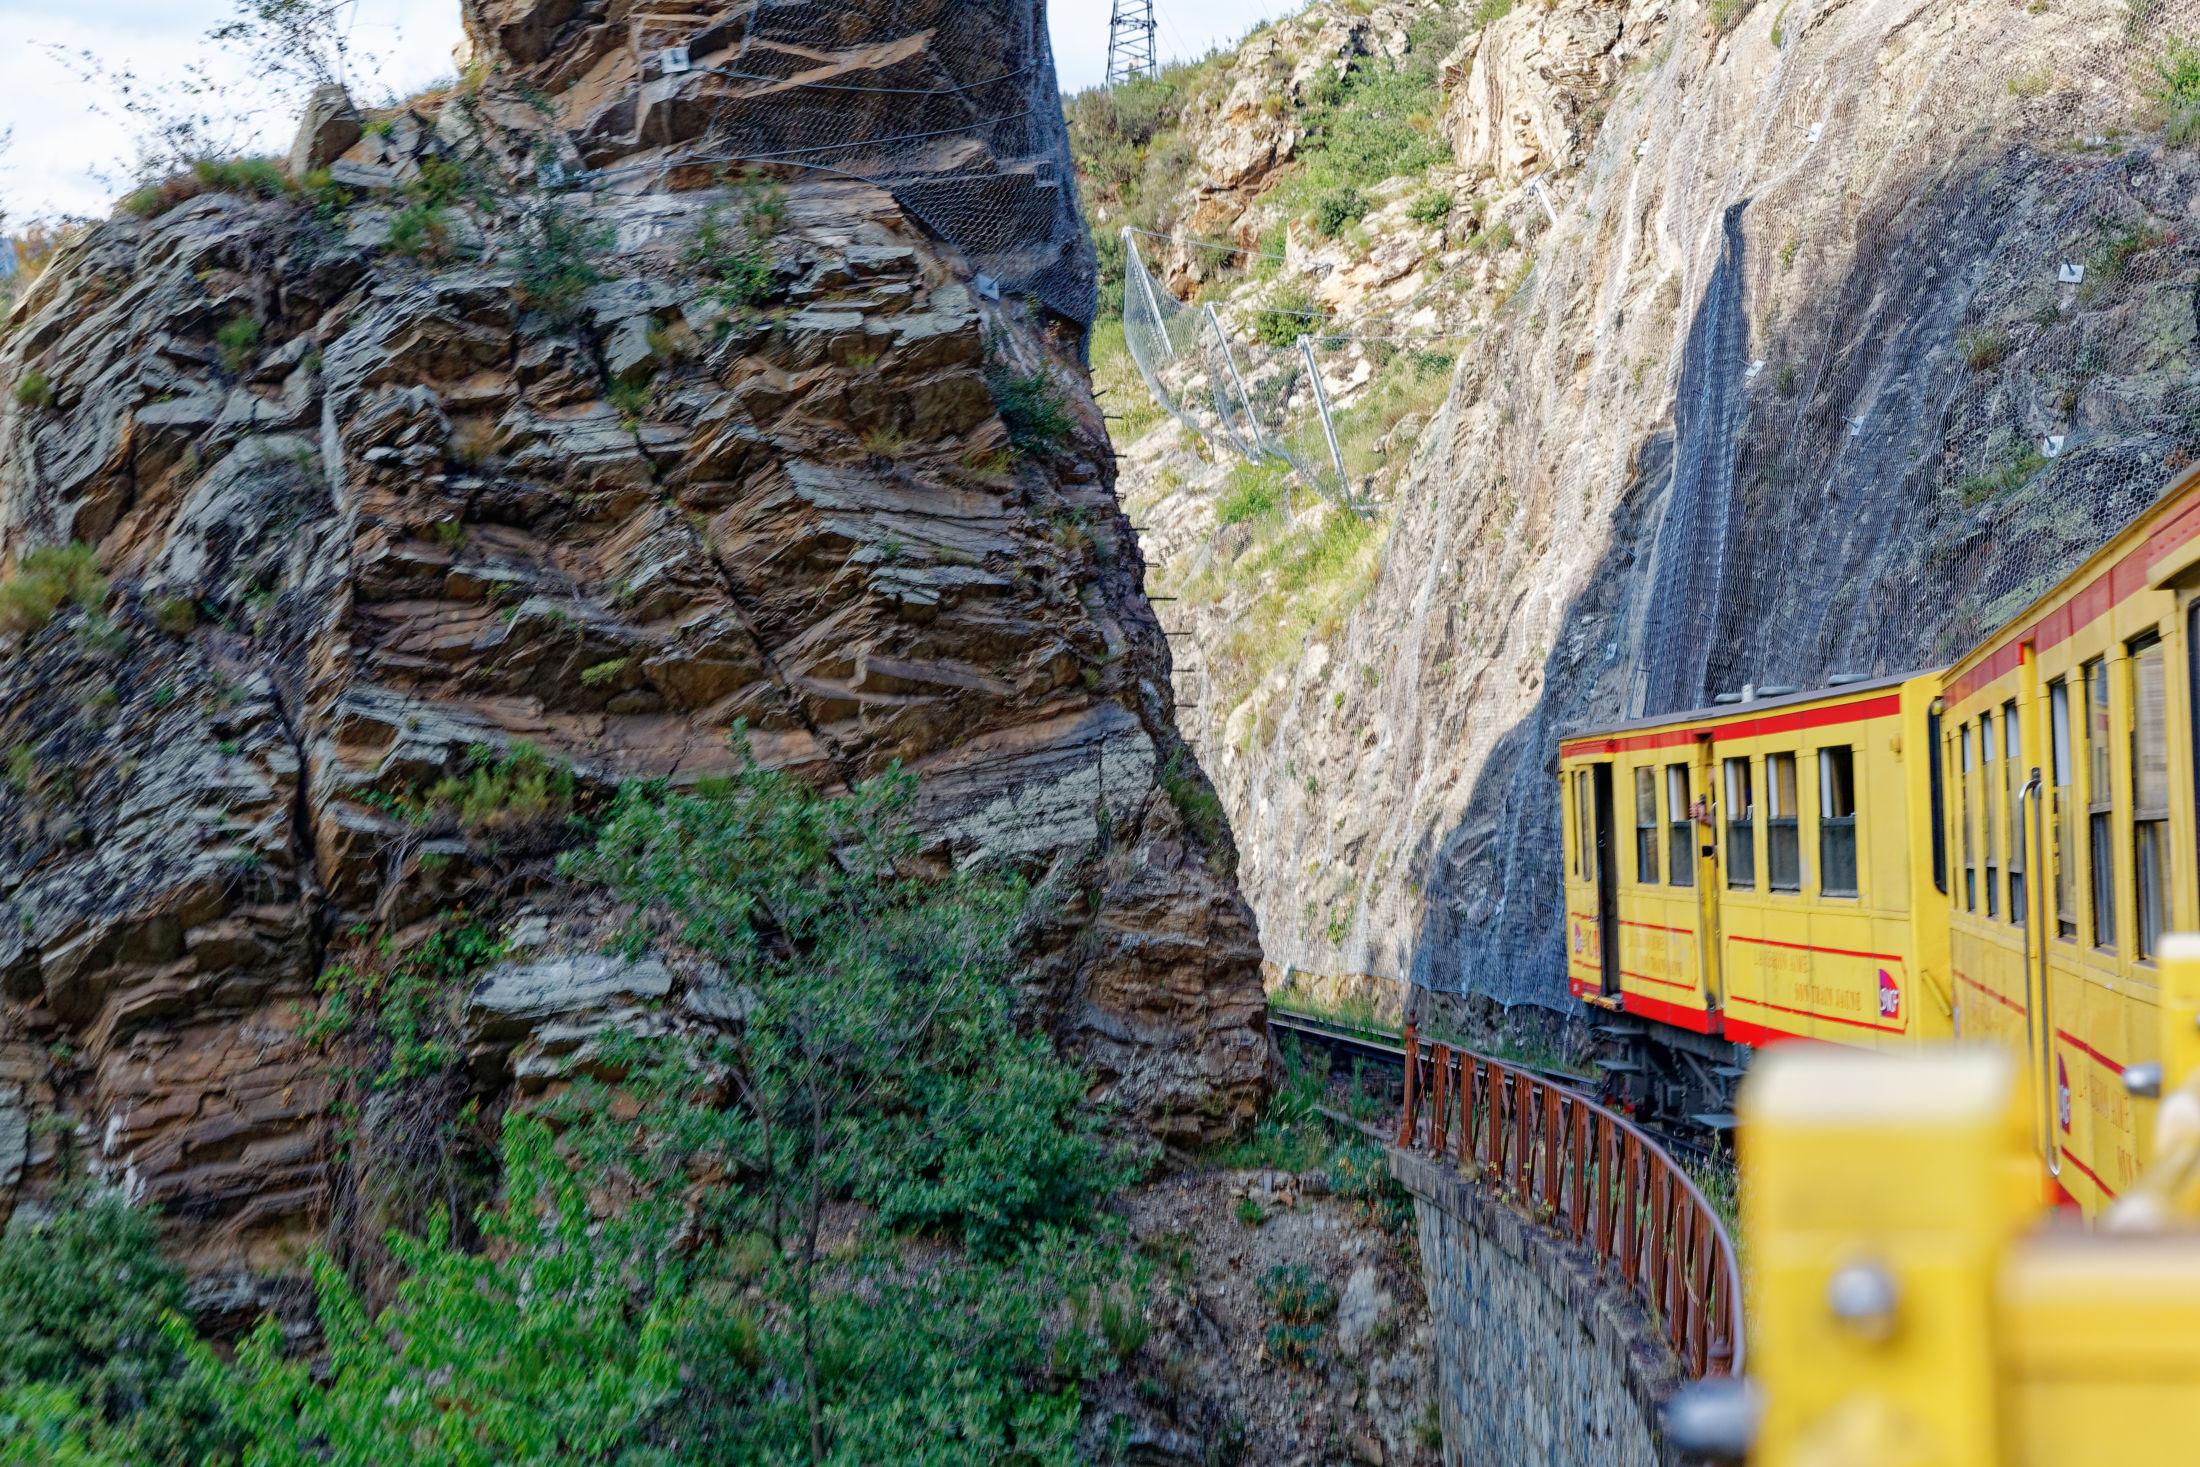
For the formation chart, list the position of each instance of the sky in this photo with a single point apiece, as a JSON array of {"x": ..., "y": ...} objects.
[{"x": 69, "y": 147}]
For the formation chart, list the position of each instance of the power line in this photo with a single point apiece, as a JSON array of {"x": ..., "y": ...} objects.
[{"x": 1133, "y": 53}]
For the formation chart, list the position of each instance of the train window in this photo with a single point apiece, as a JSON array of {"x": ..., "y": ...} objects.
[
  {"x": 2062, "y": 842},
  {"x": 1584, "y": 834},
  {"x": 1783, "y": 836},
  {"x": 1970, "y": 859},
  {"x": 2149, "y": 795},
  {"x": 2100, "y": 806},
  {"x": 1989, "y": 832},
  {"x": 1741, "y": 827},
  {"x": 2020, "y": 829},
  {"x": 1680, "y": 849},
  {"x": 1837, "y": 822},
  {"x": 1646, "y": 826},
  {"x": 1936, "y": 751}
]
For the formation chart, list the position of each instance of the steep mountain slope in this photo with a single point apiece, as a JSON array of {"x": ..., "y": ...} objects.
[
  {"x": 366, "y": 524},
  {"x": 1770, "y": 365}
]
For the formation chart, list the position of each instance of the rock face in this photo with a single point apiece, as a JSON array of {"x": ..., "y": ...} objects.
[
  {"x": 620, "y": 473},
  {"x": 1848, "y": 329}
]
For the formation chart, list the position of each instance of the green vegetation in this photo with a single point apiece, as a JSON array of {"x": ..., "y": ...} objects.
[
  {"x": 260, "y": 177},
  {"x": 556, "y": 262},
  {"x": 632, "y": 399},
  {"x": 1983, "y": 350},
  {"x": 1727, "y": 14},
  {"x": 1430, "y": 207},
  {"x": 1487, "y": 11},
  {"x": 399, "y": 999},
  {"x": 1303, "y": 1305},
  {"x": 2111, "y": 259},
  {"x": 420, "y": 232},
  {"x": 2022, "y": 460},
  {"x": 1195, "y": 799},
  {"x": 1337, "y": 208},
  {"x": 868, "y": 1230},
  {"x": 2175, "y": 87},
  {"x": 739, "y": 274},
  {"x": 1033, "y": 408},
  {"x": 1119, "y": 385},
  {"x": 90, "y": 1371},
  {"x": 499, "y": 791},
  {"x": 1254, "y": 492},
  {"x": 47, "y": 579},
  {"x": 239, "y": 343},
  {"x": 34, "y": 389},
  {"x": 1290, "y": 314}
]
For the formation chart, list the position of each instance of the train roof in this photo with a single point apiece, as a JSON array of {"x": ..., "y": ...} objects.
[
  {"x": 2121, "y": 566},
  {"x": 1751, "y": 708}
]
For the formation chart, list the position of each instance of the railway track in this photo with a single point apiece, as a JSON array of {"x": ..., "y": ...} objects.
[{"x": 1349, "y": 1042}]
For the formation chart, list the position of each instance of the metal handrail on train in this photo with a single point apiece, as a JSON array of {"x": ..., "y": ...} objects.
[{"x": 1603, "y": 1181}]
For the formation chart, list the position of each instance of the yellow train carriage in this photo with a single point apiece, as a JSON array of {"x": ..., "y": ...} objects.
[
  {"x": 2069, "y": 753},
  {"x": 1765, "y": 870}
]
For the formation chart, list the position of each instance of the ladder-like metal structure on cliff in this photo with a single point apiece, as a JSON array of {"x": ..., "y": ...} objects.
[{"x": 1132, "y": 51}]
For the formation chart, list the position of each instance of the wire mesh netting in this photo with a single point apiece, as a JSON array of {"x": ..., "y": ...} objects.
[
  {"x": 952, "y": 105},
  {"x": 1858, "y": 328},
  {"x": 1259, "y": 397}
]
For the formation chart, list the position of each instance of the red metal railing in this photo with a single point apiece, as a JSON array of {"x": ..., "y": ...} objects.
[{"x": 1589, "y": 1173}]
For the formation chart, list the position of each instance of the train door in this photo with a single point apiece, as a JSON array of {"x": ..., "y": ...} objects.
[
  {"x": 1709, "y": 882},
  {"x": 1607, "y": 881}
]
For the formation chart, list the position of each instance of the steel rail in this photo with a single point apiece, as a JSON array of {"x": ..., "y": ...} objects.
[{"x": 1586, "y": 1171}]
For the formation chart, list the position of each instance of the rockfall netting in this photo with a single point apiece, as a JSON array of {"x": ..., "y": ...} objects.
[
  {"x": 1256, "y": 393},
  {"x": 1860, "y": 324},
  {"x": 952, "y": 105}
]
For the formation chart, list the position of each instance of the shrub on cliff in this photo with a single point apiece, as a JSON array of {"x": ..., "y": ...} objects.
[
  {"x": 865, "y": 1229},
  {"x": 48, "y": 578},
  {"x": 89, "y": 1369},
  {"x": 2176, "y": 89}
]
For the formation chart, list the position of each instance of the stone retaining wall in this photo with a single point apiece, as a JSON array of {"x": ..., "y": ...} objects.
[{"x": 1540, "y": 1362}]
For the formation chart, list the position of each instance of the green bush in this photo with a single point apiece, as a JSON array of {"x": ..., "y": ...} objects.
[
  {"x": 34, "y": 389},
  {"x": 1430, "y": 207},
  {"x": 1290, "y": 314},
  {"x": 556, "y": 258},
  {"x": 2176, "y": 88},
  {"x": 738, "y": 275},
  {"x": 1034, "y": 410},
  {"x": 1254, "y": 492},
  {"x": 710, "y": 1261},
  {"x": 87, "y": 1358},
  {"x": 261, "y": 177},
  {"x": 239, "y": 342},
  {"x": 1338, "y": 208},
  {"x": 420, "y": 231},
  {"x": 49, "y": 578},
  {"x": 499, "y": 791}
]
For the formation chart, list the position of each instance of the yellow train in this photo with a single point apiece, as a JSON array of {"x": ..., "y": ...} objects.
[{"x": 1990, "y": 850}]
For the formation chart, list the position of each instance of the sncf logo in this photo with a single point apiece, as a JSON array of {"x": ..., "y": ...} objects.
[{"x": 1890, "y": 996}]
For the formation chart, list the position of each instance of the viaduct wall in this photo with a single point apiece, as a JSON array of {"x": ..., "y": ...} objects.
[{"x": 1540, "y": 1363}]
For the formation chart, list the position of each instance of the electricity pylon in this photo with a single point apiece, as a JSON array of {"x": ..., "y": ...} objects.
[{"x": 1131, "y": 50}]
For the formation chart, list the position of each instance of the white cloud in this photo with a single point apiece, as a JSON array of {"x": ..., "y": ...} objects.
[{"x": 71, "y": 141}]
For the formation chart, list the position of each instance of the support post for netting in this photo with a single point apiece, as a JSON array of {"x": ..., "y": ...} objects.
[
  {"x": 1321, "y": 405},
  {"x": 1255, "y": 452},
  {"x": 1132, "y": 258}
]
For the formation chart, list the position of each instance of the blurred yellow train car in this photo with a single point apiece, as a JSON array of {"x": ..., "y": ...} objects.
[{"x": 1994, "y": 850}]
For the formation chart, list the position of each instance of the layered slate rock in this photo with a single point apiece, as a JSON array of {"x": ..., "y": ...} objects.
[{"x": 438, "y": 508}]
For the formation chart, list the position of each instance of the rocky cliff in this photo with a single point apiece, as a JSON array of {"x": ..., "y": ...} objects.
[
  {"x": 1774, "y": 341},
  {"x": 613, "y": 415}
]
